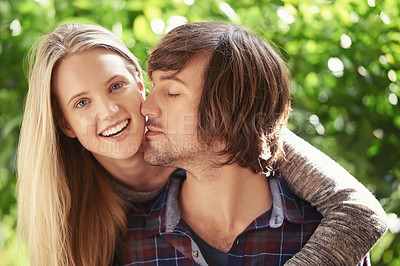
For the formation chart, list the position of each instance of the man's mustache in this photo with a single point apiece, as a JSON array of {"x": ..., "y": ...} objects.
[{"x": 153, "y": 123}]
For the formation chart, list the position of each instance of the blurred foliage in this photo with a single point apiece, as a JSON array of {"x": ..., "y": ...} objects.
[{"x": 344, "y": 57}]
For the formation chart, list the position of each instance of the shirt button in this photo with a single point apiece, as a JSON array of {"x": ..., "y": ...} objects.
[{"x": 195, "y": 253}]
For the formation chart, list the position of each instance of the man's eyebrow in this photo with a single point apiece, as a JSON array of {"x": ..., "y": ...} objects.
[{"x": 172, "y": 77}]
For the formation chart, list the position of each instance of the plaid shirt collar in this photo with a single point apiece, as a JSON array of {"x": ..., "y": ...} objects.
[{"x": 165, "y": 215}]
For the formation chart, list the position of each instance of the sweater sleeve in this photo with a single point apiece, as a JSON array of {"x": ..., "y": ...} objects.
[{"x": 353, "y": 218}]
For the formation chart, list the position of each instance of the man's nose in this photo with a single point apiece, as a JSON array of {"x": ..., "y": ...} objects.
[{"x": 150, "y": 107}]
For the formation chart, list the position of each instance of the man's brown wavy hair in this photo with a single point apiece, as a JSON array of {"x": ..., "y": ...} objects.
[{"x": 245, "y": 100}]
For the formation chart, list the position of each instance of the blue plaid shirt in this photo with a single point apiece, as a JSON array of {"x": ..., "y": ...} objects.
[{"x": 160, "y": 236}]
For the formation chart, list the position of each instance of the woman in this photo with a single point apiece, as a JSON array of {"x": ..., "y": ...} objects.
[
  {"x": 79, "y": 158},
  {"x": 71, "y": 213}
]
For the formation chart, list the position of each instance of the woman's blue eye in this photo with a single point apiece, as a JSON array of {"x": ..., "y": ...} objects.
[
  {"x": 116, "y": 86},
  {"x": 81, "y": 103}
]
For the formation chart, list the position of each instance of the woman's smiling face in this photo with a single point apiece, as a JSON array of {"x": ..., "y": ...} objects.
[{"x": 100, "y": 99}]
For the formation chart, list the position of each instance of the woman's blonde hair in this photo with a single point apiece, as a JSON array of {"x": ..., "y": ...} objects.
[{"x": 67, "y": 209}]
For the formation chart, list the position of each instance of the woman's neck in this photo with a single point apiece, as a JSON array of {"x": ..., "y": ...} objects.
[{"x": 135, "y": 173}]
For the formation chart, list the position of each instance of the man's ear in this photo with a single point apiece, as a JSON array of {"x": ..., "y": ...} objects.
[{"x": 66, "y": 129}]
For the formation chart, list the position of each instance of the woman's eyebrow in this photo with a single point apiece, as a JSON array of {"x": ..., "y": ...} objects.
[{"x": 76, "y": 96}]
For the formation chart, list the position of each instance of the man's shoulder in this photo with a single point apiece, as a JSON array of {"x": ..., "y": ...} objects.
[{"x": 294, "y": 208}]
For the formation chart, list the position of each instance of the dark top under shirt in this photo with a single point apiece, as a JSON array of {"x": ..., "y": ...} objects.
[{"x": 213, "y": 256}]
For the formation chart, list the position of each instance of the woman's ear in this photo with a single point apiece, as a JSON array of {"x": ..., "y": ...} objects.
[
  {"x": 66, "y": 128},
  {"x": 139, "y": 80}
]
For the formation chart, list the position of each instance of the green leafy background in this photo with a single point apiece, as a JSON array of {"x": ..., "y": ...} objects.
[{"x": 344, "y": 57}]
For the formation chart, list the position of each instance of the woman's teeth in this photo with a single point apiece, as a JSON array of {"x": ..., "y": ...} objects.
[{"x": 115, "y": 130}]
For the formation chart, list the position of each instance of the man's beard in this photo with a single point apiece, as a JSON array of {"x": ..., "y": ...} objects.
[
  {"x": 178, "y": 154},
  {"x": 173, "y": 150}
]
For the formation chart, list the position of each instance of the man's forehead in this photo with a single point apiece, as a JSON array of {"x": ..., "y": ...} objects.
[{"x": 196, "y": 60}]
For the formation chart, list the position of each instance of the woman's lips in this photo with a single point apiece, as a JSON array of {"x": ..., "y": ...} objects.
[{"x": 116, "y": 130}]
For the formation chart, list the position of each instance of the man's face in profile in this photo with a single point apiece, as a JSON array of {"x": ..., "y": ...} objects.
[{"x": 171, "y": 108}]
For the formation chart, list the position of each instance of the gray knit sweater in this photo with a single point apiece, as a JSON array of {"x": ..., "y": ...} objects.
[{"x": 353, "y": 219}]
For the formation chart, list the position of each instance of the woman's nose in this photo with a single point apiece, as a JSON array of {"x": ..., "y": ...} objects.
[{"x": 107, "y": 109}]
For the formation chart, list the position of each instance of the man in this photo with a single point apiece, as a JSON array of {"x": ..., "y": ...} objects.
[{"x": 219, "y": 102}]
